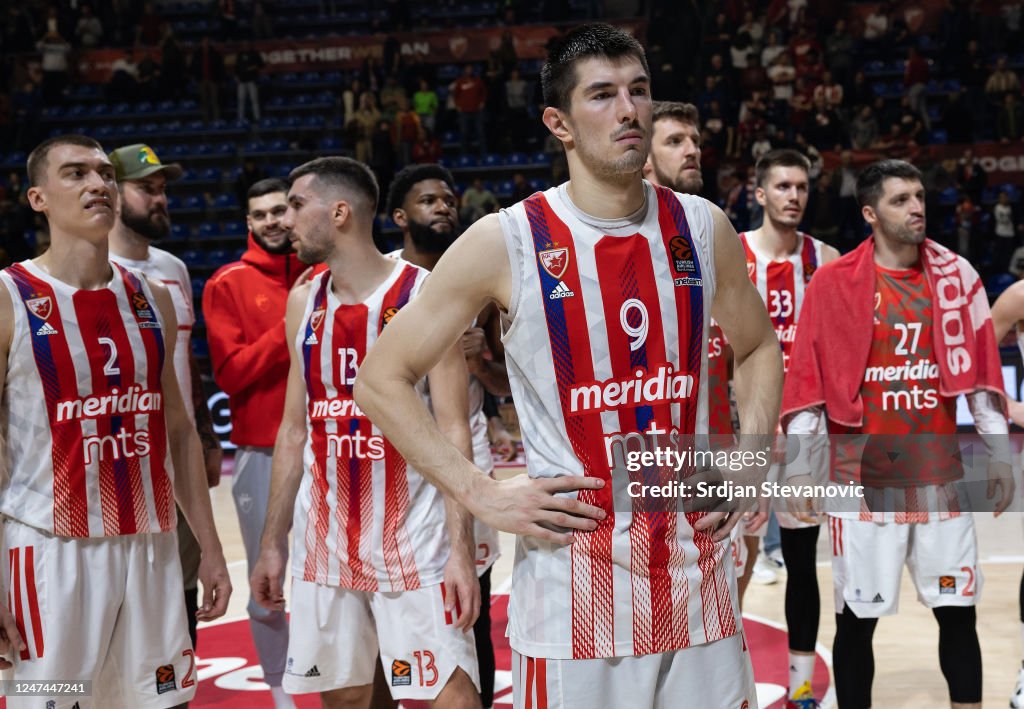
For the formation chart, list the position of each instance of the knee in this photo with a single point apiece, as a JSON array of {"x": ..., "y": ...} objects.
[
  {"x": 960, "y": 621},
  {"x": 458, "y": 693},
  {"x": 347, "y": 697}
]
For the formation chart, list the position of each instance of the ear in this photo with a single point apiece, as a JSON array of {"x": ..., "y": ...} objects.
[
  {"x": 341, "y": 213},
  {"x": 399, "y": 218},
  {"x": 558, "y": 123},
  {"x": 248, "y": 223},
  {"x": 36, "y": 199},
  {"x": 760, "y": 196},
  {"x": 869, "y": 215},
  {"x": 648, "y": 167}
]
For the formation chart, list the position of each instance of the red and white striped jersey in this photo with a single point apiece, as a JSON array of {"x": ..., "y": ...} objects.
[
  {"x": 166, "y": 268},
  {"x": 782, "y": 283},
  {"x": 719, "y": 412},
  {"x": 363, "y": 519},
  {"x": 84, "y": 428},
  {"x": 607, "y": 354}
]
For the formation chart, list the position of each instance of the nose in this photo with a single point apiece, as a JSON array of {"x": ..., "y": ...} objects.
[
  {"x": 690, "y": 148},
  {"x": 288, "y": 220},
  {"x": 443, "y": 207},
  {"x": 626, "y": 106}
]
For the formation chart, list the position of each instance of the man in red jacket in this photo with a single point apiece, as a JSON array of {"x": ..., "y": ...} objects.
[{"x": 244, "y": 306}]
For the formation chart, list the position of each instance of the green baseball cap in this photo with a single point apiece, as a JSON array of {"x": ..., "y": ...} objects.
[{"x": 133, "y": 162}]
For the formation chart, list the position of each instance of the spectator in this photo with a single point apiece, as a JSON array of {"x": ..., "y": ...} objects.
[
  {"x": 425, "y": 103},
  {"x": 1005, "y": 228},
  {"x": 719, "y": 36},
  {"x": 1009, "y": 120},
  {"x": 427, "y": 148},
  {"x": 741, "y": 51},
  {"x": 822, "y": 207},
  {"x": 916, "y": 74},
  {"x": 507, "y": 53},
  {"x": 172, "y": 66},
  {"x": 251, "y": 174},
  {"x": 806, "y": 52},
  {"x": 720, "y": 131},
  {"x": 470, "y": 97},
  {"x": 124, "y": 77},
  {"x": 228, "y": 20},
  {"x": 973, "y": 68},
  {"x": 520, "y": 188},
  {"x": 208, "y": 71},
  {"x": 55, "y": 50},
  {"x": 830, "y": 91},
  {"x": 259, "y": 24},
  {"x": 825, "y": 129},
  {"x": 147, "y": 29},
  {"x": 1002, "y": 81},
  {"x": 911, "y": 126},
  {"x": 971, "y": 177},
  {"x": 17, "y": 30},
  {"x": 477, "y": 201},
  {"x": 363, "y": 125},
  {"x": 384, "y": 158},
  {"x": 350, "y": 100},
  {"x": 876, "y": 24},
  {"x": 860, "y": 93},
  {"x": 517, "y": 100},
  {"x": 407, "y": 130},
  {"x": 248, "y": 65},
  {"x": 840, "y": 50},
  {"x": 89, "y": 30},
  {"x": 850, "y": 221},
  {"x": 390, "y": 96},
  {"x": 958, "y": 117},
  {"x": 863, "y": 129},
  {"x": 149, "y": 77},
  {"x": 782, "y": 75},
  {"x": 801, "y": 106},
  {"x": 965, "y": 216},
  {"x": 754, "y": 29},
  {"x": 775, "y": 47}
]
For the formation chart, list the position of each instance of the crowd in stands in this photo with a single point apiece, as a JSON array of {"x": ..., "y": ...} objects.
[{"x": 810, "y": 74}]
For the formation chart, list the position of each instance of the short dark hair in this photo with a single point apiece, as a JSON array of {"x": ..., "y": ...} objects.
[
  {"x": 676, "y": 110},
  {"x": 870, "y": 179},
  {"x": 784, "y": 157},
  {"x": 343, "y": 173},
  {"x": 35, "y": 165},
  {"x": 409, "y": 176},
  {"x": 558, "y": 75},
  {"x": 267, "y": 186}
]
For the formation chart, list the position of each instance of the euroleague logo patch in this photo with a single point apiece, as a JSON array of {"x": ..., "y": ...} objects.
[
  {"x": 947, "y": 585},
  {"x": 386, "y": 316},
  {"x": 682, "y": 255},
  {"x": 165, "y": 679},
  {"x": 809, "y": 270},
  {"x": 143, "y": 311},
  {"x": 401, "y": 673}
]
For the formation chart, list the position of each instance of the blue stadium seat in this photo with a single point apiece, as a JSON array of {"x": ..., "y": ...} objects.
[
  {"x": 998, "y": 283},
  {"x": 225, "y": 201},
  {"x": 179, "y": 232},
  {"x": 939, "y": 137},
  {"x": 144, "y": 107},
  {"x": 279, "y": 145},
  {"x": 314, "y": 120},
  {"x": 492, "y": 160},
  {"x": 989, "y": 195},
  {"x": 200, "y": 347},
  {"x": 208, "y": 229},
  {"x": 1012, "y": 191},
  {"x": 122, "y": 108},
  {"x": 466, "y": 161},
  {"x": 195, "y": 202},
  {"x": 173, "y": 202},
  {"x": 219, "y": 257},
  {"x": 235, "y": 229},
  {"x": 226, "y": 148},
  {"x": 517, "y": 159},
  {"x": 254, "y": 146},
  {"x": 505, "y": 189},
  {"x": 269, "y": 122},
  {"x": 188, "y": 175},
  {"x": 540, "y": 158},
  {"x": 330, "y": 143},
  {"x": 949, "y": 197},
  {"x": 193, "y": 258},
  {"x": 210, "y": 174}
]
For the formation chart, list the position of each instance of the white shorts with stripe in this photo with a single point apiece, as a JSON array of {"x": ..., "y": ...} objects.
[
  {"x": 717, "y": 675},
  {"x": 106, "y": 609},
  {"x": 334, "y": 632},
  {"x": 868, "y": 559}
]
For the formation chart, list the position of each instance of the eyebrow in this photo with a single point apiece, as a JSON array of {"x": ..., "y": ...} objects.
[
  {"x": 68, "y": 165},
  {"x": 597, "y": 85}
]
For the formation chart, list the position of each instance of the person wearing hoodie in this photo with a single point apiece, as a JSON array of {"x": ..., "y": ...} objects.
[{"x": 244, "y": 306}]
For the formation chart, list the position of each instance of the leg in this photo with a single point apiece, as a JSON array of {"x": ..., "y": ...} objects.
[
  {"x": 240, "y": 93},
  {"x": 751, "y": 544},
  {"x": 347, "y": 698},
  {"x": 381, "y": 698},
  {"x": 458, "y": 693},
  {"x": 853, "y": 659},
  {"x": 484, "y": 642},
  {"x": 250, "y": 490},
  {"x": 803, "y": 602},
  {"x": 960, "y": 654}
]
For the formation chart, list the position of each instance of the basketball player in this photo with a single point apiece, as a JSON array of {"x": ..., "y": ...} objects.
[
  {"x": 674, "y": 162},
  {"x": 422, "y": 202},
  {"x": 607, "y": 284},
  {"x": 1007, "y": 314},
  {"x": 143, "y": 219},
  {"x": 244, "y": 304},
  {"x": 781, "y": 261},
  {"x": 372, "y": 564},
  {"x": 93, "y": 419},
  {"x": 891, "y": 371}
]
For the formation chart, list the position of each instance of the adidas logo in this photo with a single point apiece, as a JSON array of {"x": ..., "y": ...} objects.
[
  {"x": 46, "y": 330},
  {"x": 313, "y": 672},
  {"x": 312, "y": 339},
  {"x": 561, "y": 291},
  {"x": 878, "y": 598}
]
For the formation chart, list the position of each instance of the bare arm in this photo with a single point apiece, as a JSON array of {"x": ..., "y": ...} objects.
[
  {"x": 10, "y": 638},
  {"x": 212, "y": 454},
  {"x": 757, "y": 359},
  {"x": 450, "y": 400},
  {"x": 1008, "y": 310},
  {"x": 474, "y": 272},
  {"x": 267, "y": 580},
  {"x": 491, "y": 372},
  {"x": 190, "y": 487}
]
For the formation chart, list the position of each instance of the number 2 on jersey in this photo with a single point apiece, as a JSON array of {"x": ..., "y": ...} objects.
[{"x": 110, "y": 368}]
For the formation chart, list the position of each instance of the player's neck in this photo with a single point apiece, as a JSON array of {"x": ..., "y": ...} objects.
[
  {"x": 357, "y": 270},
  {"x": 606, "y": 198},
  {"x": 895, "y": 255},
  {"x": 78, "y": 262},
  {"x": 127, "y": 244},
  {"x": 775, "y": 242},
  {"x": 415, "y": 256}
]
